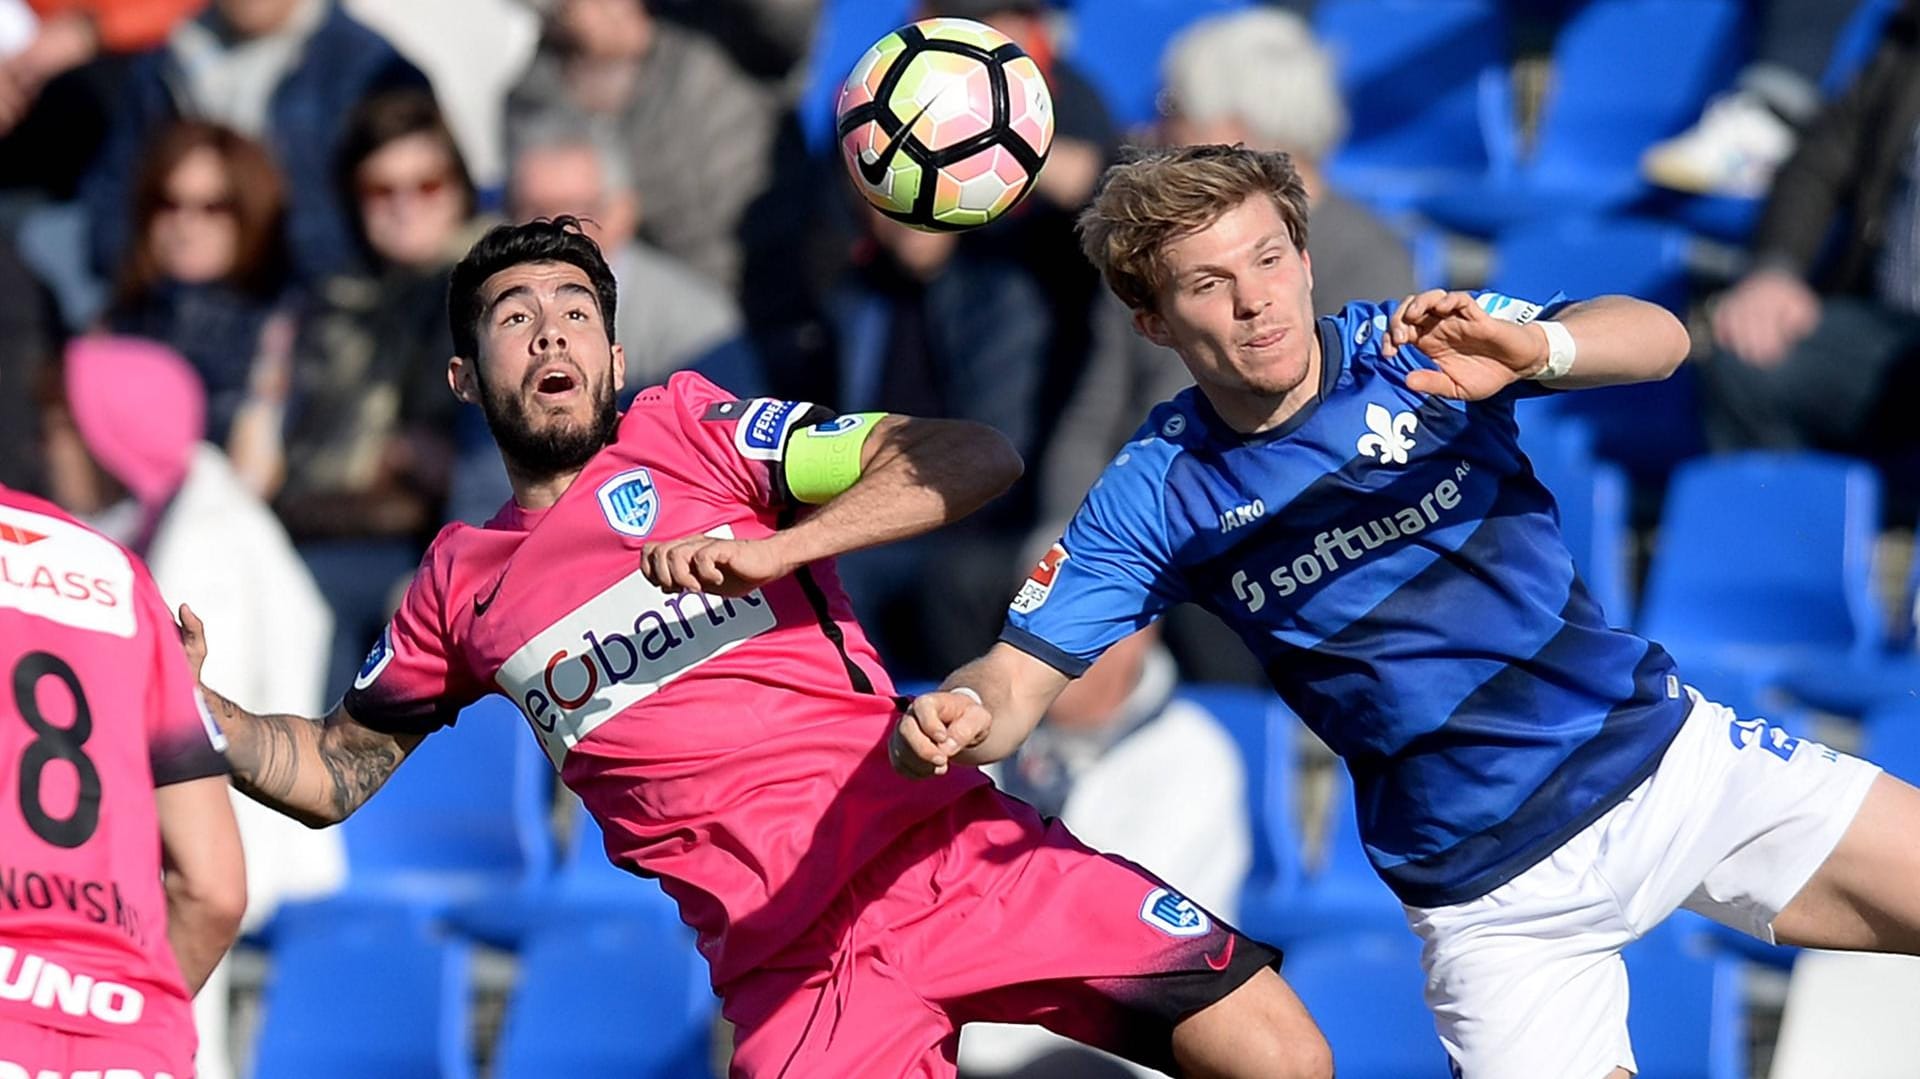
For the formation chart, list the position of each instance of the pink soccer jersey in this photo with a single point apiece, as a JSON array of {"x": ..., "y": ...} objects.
[
  {"x": 733, "y": 747},
  {"x": 97, "y": 708}
]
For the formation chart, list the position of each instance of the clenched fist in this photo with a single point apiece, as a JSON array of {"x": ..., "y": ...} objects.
[{"x": 937, "y": 727}]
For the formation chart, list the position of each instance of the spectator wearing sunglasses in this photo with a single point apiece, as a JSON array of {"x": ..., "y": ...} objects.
[
  {"x": 287, "y": 73},
  {"x": 206, "y": 273},
  {"x": 369, "y": 421}
]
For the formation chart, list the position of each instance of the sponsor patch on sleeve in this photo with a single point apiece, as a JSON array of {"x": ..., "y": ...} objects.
[
  {"x": 763, "y": 427},
  {"x": 1039, "y": 584},
  {"x": 1508, "y": 308}
]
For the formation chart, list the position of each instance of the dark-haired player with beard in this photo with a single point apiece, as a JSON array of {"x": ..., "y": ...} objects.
[{"x": 660, "y": 602}]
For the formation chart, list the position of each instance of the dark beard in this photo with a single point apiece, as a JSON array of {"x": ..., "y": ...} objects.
[{"x": 540, "y": 454}]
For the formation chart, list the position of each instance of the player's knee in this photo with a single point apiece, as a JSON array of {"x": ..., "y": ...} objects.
[
  {"x": 1268, "y": 1053},
  {"x": 1305, "y": 1054},
  {"x": 1262, "y": 1032}
]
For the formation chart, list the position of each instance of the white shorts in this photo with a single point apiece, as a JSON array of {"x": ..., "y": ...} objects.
[{"x": 1527, "y": 980}]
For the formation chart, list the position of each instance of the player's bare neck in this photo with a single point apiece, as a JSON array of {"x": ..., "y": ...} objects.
[{"x": 538, "y": 492}]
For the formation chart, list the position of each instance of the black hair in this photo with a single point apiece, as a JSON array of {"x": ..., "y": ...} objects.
[
  {"x": 558, "y": 239},
  {"x": 388, "y": 117}
]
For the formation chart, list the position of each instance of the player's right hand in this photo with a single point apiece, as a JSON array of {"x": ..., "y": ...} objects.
[
  {"x": 936, "y": 727},
  {"x": 193, "y": 637}
]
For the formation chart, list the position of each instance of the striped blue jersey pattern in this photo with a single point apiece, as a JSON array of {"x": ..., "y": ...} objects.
[{"x": 1394, "y": 564}]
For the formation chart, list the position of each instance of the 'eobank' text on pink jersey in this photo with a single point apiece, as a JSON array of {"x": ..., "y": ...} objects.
[
  {"x": 733, "y": 747},
  {"x": 97, "y": 708}
]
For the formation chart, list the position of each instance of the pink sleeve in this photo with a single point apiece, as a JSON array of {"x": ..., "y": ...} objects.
[
  {"x": 410, "y": 681},
  {"x": 182, "y": 741},
  {"x": 741, "y": 442}
]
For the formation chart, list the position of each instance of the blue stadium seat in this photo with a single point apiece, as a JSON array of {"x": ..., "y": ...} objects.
[
  {"x": 1890, "y": 738},
  {"x": 609, "y": 997},
  {"x": 1627, "y": 73},
  {"x": 1366, "y": 990},
  {"x": 1854, "y": 687},
  {"x": 1340, "y": 892},
  {"x": 1266, "y": 733},
  {"x": 1117, "y": 44},
  {"x": 1863, "y": 683},
  {"x": 1592, "y": 497},
  {"x": 1764, "y": 562},
  {"x": 1425, "y": 83},
  {"x": 375, "y": 999},
  {"x": 466, "y": 816},
  {"x": 1686, "y": 1012},
  {"x": 1586, "y": 256},
  {"x": 1646, "y": 428},
  {"x": 585, "y": 887},
  {"x": 1856, "y": 43},
  {"x": 1732, "y": 218},
  {"x": 847, "y": 28}
]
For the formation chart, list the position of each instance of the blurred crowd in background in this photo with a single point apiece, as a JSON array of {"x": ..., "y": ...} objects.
[{"x": 226, "y": 228}]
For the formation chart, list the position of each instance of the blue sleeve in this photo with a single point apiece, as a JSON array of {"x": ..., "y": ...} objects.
[{"x": 1110, "y": 575}]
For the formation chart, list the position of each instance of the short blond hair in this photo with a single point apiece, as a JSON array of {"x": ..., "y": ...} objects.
[{"x": 1154, "y": 197}]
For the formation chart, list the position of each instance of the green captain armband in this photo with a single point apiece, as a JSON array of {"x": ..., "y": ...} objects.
[{"x": 823, "y": 460}]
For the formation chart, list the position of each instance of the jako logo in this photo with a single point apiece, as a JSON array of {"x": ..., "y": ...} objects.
[
  {"x": 1342, "y": 546},
  {"x": 1242, "y": 515},
  {"x": 1389, "y": 437},
  {"x": 44, "y": 983},
  {"x": 619, "y": 648}
]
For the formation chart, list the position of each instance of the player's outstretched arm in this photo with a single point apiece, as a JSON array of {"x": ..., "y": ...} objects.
[
  {"x": 979, "y": 715},
  {"x": 914, "y": 475},
  {"x": 317, "y": 771},
  {"x": 1609, "y": 340},
  {"x": 205, "y": 875}
]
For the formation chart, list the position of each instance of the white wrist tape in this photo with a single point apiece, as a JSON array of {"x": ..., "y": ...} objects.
[
  {"x": 1560, "y": 351},
  {"x": 967, "y": 691}
]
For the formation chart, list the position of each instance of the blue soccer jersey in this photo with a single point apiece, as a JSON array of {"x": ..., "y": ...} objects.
[{"x": 1398, "y": 570}]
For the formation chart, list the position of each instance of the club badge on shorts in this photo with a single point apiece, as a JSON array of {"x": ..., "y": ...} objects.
[{"x": 1174, "y": 914}]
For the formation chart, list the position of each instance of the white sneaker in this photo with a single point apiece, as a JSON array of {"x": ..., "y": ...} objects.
[{"x": 1733, "y": 150}]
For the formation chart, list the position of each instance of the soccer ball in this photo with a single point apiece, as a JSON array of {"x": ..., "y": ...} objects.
[{"x": 944, "y": 124}]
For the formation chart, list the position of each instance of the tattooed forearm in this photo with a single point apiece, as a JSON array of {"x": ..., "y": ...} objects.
[
  {"x": 358, "y": 763},
  {"x": 315, "y": 771}
]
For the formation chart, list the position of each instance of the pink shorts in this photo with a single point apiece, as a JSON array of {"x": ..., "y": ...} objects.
[
  {"x": 984, "y": 913},
  {"x": 32, "y": 1050}
]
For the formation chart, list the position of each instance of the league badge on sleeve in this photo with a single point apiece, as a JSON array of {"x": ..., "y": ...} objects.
[
  {"x": 376, "y": 661},
  {"x": 1039, "y": 584},
  {"x": 630, "y": 502},
  {"x": 1512, "y": 308},
  {"x": 1174, "y": 914}
]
